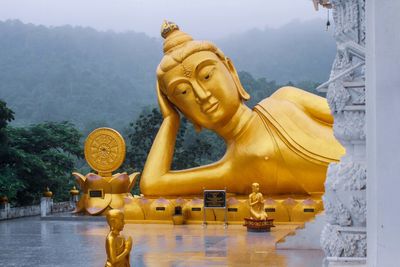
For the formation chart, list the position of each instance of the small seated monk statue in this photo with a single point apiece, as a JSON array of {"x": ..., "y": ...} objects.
[
  {"x": 286, "y": 141},
  {"x": 117, "y": 247},
  {"x": 256, "y": 202}
]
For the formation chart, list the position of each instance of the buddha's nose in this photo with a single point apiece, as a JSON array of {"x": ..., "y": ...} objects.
[{"x": 202, "y": 95}]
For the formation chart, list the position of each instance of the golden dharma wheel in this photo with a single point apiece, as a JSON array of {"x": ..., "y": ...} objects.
[{"x": 105, "y": 150}]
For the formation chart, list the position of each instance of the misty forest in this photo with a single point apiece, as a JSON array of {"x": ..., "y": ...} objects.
[{"x": 57, "y": 84}]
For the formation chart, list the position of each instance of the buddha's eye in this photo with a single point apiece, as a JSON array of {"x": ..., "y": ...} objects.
[
  {"x": 207, "y": 72},
  {"x": 181, "y": 90}
]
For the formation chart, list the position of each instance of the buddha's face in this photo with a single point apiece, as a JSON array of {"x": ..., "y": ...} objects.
[{"x": 203, "y": 89}]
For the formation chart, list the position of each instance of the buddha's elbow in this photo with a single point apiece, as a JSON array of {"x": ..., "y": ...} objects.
[{"x": 148, "y": 185}]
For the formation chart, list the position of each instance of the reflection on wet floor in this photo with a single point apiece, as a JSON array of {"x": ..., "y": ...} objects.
[{"x": 31, "y": 242}]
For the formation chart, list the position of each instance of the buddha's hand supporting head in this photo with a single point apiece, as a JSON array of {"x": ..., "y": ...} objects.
[
  {"x": 197, "y": 79},
  {"x": 168, "y": 110}
]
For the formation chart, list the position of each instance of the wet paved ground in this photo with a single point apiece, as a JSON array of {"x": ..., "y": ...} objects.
[{"x": 32, "y": 242}]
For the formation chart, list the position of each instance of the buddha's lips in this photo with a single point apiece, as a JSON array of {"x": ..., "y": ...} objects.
[{"x": 210, "y": 108}]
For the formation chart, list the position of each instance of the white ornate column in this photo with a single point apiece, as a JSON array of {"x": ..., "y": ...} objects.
[{"x": 343, "y": 238}]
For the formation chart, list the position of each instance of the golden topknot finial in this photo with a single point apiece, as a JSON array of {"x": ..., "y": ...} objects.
[
  {"x": 173, "y": 37},
  {"x": 167, "y": 27}
]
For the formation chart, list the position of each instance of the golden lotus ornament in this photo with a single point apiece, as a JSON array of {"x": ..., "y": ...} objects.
[{"x": 104, "y": 152}]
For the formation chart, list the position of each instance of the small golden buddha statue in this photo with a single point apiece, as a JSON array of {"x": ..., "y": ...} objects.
[
  {"x": 286, "y": 141},
  {"x": 117, "y": 247},
  {"x": 256, "y": 202}
]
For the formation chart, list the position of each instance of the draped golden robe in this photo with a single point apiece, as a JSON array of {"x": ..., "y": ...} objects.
[{"x": 301, "y": 125}]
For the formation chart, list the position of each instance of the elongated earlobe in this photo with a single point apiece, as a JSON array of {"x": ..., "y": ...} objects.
[{"x": 242, "y": 92}]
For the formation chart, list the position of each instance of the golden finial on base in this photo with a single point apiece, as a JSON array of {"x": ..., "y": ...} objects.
[
  {"x": 47, "y": 192},
  {"x": 74, "y": 191},
  {"x": 3, "y": 199}
]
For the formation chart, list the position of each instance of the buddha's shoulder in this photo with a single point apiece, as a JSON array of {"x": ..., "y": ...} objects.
[{"x": 288, "y": 93}]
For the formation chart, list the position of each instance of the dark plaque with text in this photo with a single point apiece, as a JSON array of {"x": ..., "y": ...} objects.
[
  {"x": 308, "y": 210},
  {"x": 96, "y": 193},
  {"x": 214, "y": 198}
]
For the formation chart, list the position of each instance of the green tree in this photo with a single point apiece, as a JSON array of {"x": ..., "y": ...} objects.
[
  {"x": 35, "y": 157},
  {"x": 257, "y": 88},
  {"x": 9, "y": 184},
  {"x": 6, "y": 116},
  {"x": 43, "y": 155},
  {"x": 262, "y": 88}
]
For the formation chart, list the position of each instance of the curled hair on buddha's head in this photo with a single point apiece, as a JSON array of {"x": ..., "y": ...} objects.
[{"x": 179, "y": 45}]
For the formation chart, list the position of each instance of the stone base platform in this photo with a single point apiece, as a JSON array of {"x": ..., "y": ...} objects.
[{"x": 280, "y": 208}]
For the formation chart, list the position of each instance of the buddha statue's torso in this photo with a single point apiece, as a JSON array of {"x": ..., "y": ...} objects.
[{"x": 259, "y": 154}]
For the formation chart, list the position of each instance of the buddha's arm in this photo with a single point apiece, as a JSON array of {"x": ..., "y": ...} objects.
[
  {"x": 161, "y": 153},
  {"x": 189, "y": 181},
  {"x": 313, "y": 104},
  {"x": 253, "y": 203},
  {"x": 256, "y": 201},
  {"x": 158, "y": 179},
  {"x": 162, "y": 150}
]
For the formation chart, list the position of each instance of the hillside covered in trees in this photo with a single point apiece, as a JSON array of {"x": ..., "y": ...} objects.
[{"x": 93, "y": 78}]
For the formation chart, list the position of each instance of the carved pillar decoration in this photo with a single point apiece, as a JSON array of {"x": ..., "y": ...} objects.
[{"x": 343, "y": 238}]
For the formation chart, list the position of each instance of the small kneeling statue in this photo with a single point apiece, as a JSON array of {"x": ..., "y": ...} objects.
[
  {"x": 256, "y": 201},
  {"x": 117, "y": 247},
  {"x": 258, "y": 221}
]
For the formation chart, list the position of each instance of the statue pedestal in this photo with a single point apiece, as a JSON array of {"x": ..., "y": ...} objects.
[
  {"x": 177, "y": 219},
  {"x": 258, "y": 225}
]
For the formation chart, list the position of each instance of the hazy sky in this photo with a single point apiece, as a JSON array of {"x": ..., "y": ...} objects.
[{"x": 201, "y": 18}]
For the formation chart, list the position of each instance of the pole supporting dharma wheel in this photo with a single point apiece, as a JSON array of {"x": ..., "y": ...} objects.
[{"x": 105, "y": 150}]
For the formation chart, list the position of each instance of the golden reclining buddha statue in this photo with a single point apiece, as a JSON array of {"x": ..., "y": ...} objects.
[{"x": 285, "y": 143}]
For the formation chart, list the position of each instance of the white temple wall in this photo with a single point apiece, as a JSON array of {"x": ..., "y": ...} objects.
[{"x": 383, "y": 132}]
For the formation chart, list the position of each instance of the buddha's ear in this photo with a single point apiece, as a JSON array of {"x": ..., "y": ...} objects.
[{"x": 242, "y": 92}]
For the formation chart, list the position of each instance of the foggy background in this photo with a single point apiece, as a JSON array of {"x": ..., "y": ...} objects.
[
  {"x": 204, "y": 19},
  {"x": 62, "y": 60}
]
